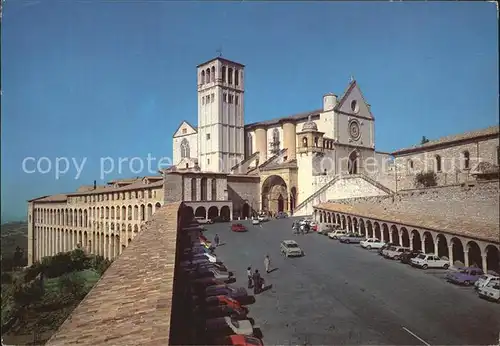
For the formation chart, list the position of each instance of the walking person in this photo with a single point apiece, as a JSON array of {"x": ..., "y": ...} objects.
[
  {"x": 256, "y": 282},
  {"x": 249, "y": 275},
  {"x": 216, "y": 240},
  {"x": 267, "y": 263}
]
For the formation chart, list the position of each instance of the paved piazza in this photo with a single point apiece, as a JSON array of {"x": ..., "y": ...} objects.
[{"x": 343, "y": 294}]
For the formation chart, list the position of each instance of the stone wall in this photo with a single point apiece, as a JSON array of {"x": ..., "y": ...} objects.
[
  {"x": 243, "y": 190},
  {"x": 479, "y": 202},
  {"x": 173, "y": 188}
]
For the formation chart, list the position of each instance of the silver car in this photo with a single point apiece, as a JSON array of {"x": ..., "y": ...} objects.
[{"x": 290, "y": 248}]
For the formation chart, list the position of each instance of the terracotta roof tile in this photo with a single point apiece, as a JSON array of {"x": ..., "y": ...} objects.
[
  {"x": 489, "y": 131},
  {"x": 131, "y": 304},
  {"x": 463, "y": 227}
]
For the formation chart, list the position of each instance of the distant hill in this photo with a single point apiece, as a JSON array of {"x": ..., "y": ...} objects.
[{"x": 14, "y": 234}]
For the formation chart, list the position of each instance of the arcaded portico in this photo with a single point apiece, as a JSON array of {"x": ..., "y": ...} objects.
[{"x": 470, "y": 243}]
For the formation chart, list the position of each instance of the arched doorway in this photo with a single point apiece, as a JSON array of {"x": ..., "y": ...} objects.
[
  {"x": 274, "y": 194},
  {"x": 213, "y": 212},
  {"x": 246, "y": 210},
  {"x": 225, "y": 213},
  {"x": 475, "y": 258},
  {"x": 352, "y": 165},
  {"x": 493, "y": 258},
  {"x": 189, "y": 213},
  {"x": 200, "y": 212}
]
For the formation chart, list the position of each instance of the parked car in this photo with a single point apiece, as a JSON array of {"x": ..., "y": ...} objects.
[
  {"x": 407, "y": 256},
  {"x": 223, "y": 300},
  {"x": 352, "y": 238},
  {"x": 465, "y": 276},
  {"x": 202, "y": 220},
  {"x": 255, "y": 222},
  {"x": 238, "y": 227},
  {"x": 210, "y": 272},
  {"x": 202, "y": 255},
  {"x": 491, "y": 291},
  {"x": 221, "y": 219},
  {"x": 239, "y": 340},
  {"x": 384, "y": 247},
  {"x": 371, "y": 243},
  {"x": 262, "y": 218},
  {"x": 281, "y": 215},
  {"x": 336, "y": 234},
  {"x": 425, "y": 261},
  {"x": 314, "y": 226},
  {"x": 203, "y": 283},
  {"x": 486, "y": 279},
  {"x": 290, "y": 248},
  {"x": 228, "y": 325},
  {"x": 395, "y": 252},
  {"x": 209, "y": 312},
  {"x": 232, "y": 292},
  {"x": 206, "y": 265}
]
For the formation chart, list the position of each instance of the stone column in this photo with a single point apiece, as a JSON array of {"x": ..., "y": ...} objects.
[
  {"x": 436, "y": 247},
  {"x": 466, "y": 257},
  {"x": 411, "y": 241},
  {"x": 400, "y": 237},
  {"x": 450, "y": 253},
  {"x": 485, "y": 262},
  {"x": 261, "y": 144},
  {"x": 290, "y": 139},
  {"x": 422, "y": 240}
]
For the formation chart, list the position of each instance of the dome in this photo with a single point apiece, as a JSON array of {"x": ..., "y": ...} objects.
[{"x": 309, "y": 125}]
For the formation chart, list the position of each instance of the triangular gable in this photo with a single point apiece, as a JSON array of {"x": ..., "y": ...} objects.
[
  {"x": 190, "y": 129},
  {"x": 353, "y": 93}
]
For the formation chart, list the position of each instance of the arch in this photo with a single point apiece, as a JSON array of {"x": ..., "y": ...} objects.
[
  {"x": 416, "y": 240},
  {"x": 150, "y": 211},
  {"x": 457, "y": 250},
  {"x": 355, "y": 224},
  {"x": 385, "y": 233},
  {"x": 405, "y": 237},
  {"x": 157, "y": 206},
  {"x": 409, "y": 166},
  {"x": 189, "y": 213},
  {"x": 442, "y": 246},
  {"x": 136, "y": 212},
  {"x": 200, "y": 212},
  {"x": 230, "y": 75},
  {"x": 353, "y": 163},
  {"x": 203, "y": 187},
  {"x": 236, "y": 77},
  {"x": 304, "y": 142},
  {"x": 208, "y": 75},
  {"x": 428, "y": 243},
  {"x": 437, "y": 162},
  {"x": 185, "y": 151},
  {"x": 212, "y": 72},
  {"x": 362, "y": 229},
  {"x": 466, "y": 160},
  {"x": 246, "y": 210},
  {"x": 213, "y": 212},
  {"x": 276, "y": 135},
  {"x": 224, "y": 74},
  {"x": 249, "y": 144},
  {"x": 349, "y": 224},
  {"x": 124, "y": 213},
  {"x": 474, "y": 255},
  {"x": 369, "y": 228},
  {"x": 337, "y": 221},
  {"x": 203, "y": 77},
  {"x": 395, "y": 235},
  {"x": 129, "y": 212},
  {"x": 225, "y": 213},
  {"x": 492, "y": 258},
  {"x": 272, "y": 188},
  {"x": 343, "y": 222},
  {"x": 293, "y": 198}
]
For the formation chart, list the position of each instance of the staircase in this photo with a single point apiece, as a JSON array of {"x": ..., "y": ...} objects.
[{"x": 305, "y": 208}]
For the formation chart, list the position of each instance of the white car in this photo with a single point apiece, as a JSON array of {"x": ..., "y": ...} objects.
[
  {"x": 238, "y": 327},
  {"x": 395, "y": 252},
  {"x": 262, "y": 218},
  {"x": 425, "y": 261},
  {"x": 202, "y": 221},
  {"x": 337, "y": 234},
  {"x": 290, "y": 248},
  {"x": 255, "y": 221},
  {"x": 484, "y": 280},
  {"x": 491, "y": 291},
  {"x": 372, "y": 243}
]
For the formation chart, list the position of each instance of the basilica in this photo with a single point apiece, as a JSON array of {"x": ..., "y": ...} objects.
[{"x": 289, "y": 158}]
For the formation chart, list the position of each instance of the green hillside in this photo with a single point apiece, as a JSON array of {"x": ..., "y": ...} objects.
[{"x": 14, "y": 234}]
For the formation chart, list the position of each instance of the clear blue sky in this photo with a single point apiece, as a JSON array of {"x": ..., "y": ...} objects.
[{"x": 98, "y": 79}]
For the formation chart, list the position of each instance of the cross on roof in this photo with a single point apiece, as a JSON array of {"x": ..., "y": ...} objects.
[{"x": 219, "y": 51}]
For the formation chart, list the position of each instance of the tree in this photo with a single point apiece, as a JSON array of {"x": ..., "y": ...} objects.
[
  {"x": 426, "y": 179},
  {"x": 424, "y": 140}
]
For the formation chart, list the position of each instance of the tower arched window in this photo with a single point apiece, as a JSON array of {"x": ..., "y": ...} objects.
[
  {"x": 208, "y": 75},
  {"x": 230, "y": 76},
  {"x": 185, "y": 148},
  {"x": 316, "y": 141},
  {"x": 236, "y": 77},
  {"x": 224, "y": 74},
  {"x": 304, "y": 142},
  {"x": 202, "y": 77},
  {"x": 213, "y": 73},
  {"x": 466, "y": 159},
  {"x": 249, "y": 144},
  {"x": 438, "y": 163}
]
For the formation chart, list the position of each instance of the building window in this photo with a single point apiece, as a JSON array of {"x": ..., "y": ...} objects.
[
  {"x": 208, "y": 161},
  {"x": 229, "y": 76},
  {"x": 231, "y": 98},
  {"x": 212, "y": 97},
  {"x": 193, "y": 189},
  {"x": 438, "y": 163},
  {"x": 236, "y": 99},
  {"x": 202, "y": 77},
  {"x": 208, "y": 136},
  {"x": 184, "y": 148},
  {"x": 187, "y": 165},
  {"x": 304, "y": 142},
  {"x": 203, "y": 100},
  {"x": 214, "y": 189},
  {"x": 236, "y": 77},
  {"x": 224, "y": 74},
  {"x": 184, "y": 131},
  {"x": 225, "y": 97},
  {"x": 466, "y": 159}
]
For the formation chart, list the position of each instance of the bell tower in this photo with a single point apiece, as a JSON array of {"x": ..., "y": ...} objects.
[{"x": 221, "y": 142}]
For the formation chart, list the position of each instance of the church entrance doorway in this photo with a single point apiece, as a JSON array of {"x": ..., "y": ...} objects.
[
  {"x": 293, "y": 199},
  {"x": 246, "y": 211},
  {"x": 352, "y": 165},
  {"x": 274, "y": 194}
]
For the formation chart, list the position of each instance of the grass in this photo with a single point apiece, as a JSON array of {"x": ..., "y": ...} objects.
[{"x": 13, "y": 234}]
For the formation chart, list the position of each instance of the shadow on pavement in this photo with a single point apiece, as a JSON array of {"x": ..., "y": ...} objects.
[
  {"x": 248, "y": 300},
  {"x": 273, "y": 270}
]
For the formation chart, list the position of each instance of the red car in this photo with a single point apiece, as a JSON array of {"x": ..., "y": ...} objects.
[
  {"x": 224, "y": 301},
  {"x": 241, "y": 340},
  {"x": 238, "y": 227}
]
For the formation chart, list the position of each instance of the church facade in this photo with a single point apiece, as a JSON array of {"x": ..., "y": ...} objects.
[{"x": 284, "y": 160}]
